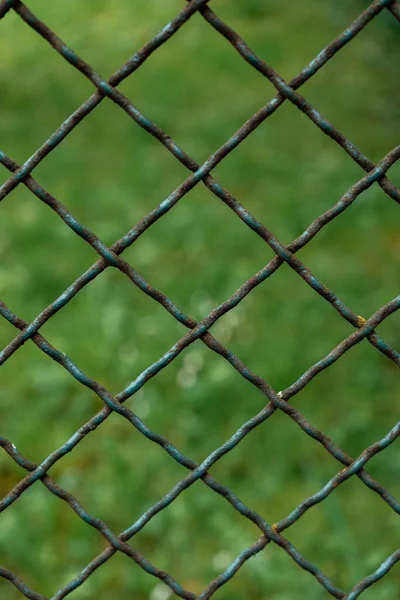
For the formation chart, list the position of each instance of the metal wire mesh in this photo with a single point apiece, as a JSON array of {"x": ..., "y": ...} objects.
[{"x": 364, "y": 328}]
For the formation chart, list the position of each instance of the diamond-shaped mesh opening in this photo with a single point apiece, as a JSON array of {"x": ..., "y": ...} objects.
[
  {"x": 92, "y": 23},
  {"x": 100, "y": 472},
  {"x": 284, "y": 318},
  {"x": 293, "y": 467},
  {"x": 195, "y": 75},
  {"x": 193, "y": 259},
  {"x": 43, "y": 398},
  {"x": 177, "y": 402},
  {"x": 173, "y": 541},
  {"x": 265, "y": 24},
  {"x": 362, "y": 77},
  {"x": 346, "y": 559},
  {"x": 362, "y": 327},
  {"x": 287, "y": 172},
  {"x": 341, "y": 401},
  {"x": 67, "y": 536},
  {"x": 269, "y": 570},
  {"x": 106, "y": 153},
  {"x": 40, "y": 256},
  {"x": 34, "y": 104},
  {"x": 113, "y": 330},
  {"x": 348, "y": 255}
]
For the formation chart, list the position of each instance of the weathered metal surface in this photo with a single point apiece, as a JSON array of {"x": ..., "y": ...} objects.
[{"x": 364, "y": 328}]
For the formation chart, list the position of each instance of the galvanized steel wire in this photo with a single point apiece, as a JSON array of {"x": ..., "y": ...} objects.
[{"x": 364, "y": 328}]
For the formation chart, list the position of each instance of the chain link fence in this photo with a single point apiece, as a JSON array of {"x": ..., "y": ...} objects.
[{"x": 364, "y": 328}]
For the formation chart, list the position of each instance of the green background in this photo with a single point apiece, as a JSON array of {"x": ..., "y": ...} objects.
[{"x": 110, "y": 173}]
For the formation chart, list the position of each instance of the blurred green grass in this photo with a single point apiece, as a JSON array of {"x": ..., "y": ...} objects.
[{"x": 110, "y": 173}]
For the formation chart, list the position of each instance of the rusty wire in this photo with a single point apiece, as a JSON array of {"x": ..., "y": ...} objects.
[{"x": 364, "y": 328}]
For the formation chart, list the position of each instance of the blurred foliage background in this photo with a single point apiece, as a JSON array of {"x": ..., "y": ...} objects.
[{"x": 110, "y": 173}]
